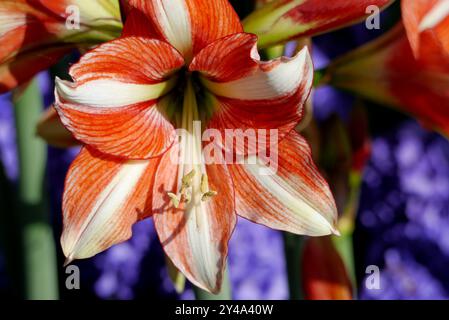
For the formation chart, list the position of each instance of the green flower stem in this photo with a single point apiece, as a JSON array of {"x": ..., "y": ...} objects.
[
  {"x": 344, "y": 246},
  {"x": 275, "y": 52},
  {"x": 39, "y": 256},
  {"x": 293, "y": 245},
  {"x": 225, "y": 293},
  {"x": 344, "y": 243}
]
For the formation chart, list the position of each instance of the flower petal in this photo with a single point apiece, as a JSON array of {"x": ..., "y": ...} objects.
[
  {"x": 113, "y": 106},
  {"x": 426, "y": 23},
  {"x": 34, "y": 34},
  {"x": 15, "y": 72},
  {"x": 26, "y": 35},
  {"x": 103, "y": 198},
  {"x": 131, "y": 60},
  {"x": 249, "y": 93},
  {"x": 283, "y": 20},
  {"x": 23, "y": 26},
  {"x": 195, "y": 236},
  {"x": 189, "y": 25},
  {"x": 295, "y": 198},
  {"x": 324, "y": 275},
  {"x": 228, "y": 59},
  {"x": 268, "y": 80}
]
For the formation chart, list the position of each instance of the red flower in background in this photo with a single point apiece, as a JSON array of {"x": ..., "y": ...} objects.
[
  {"x": 279, "y": 21},
  {"x": 427, "y": 26},
  {"x": 34, "y": 34},
  {"x": 324, "y": 275},
  {"x": 387, "y": 72}
]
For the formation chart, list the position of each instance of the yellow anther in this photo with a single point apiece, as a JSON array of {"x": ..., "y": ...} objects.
[
  {"x": 174, "y": 199},
  {"x": 187, "y": 179},
  {"x": 208, "y": 195},
  {"x": 204, "y": 184}
]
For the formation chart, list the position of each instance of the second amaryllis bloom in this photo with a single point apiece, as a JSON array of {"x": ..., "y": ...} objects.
[
  {"x": 279, "y": 21},
  {"x": 35, "y": 34},
  {"x": 386, "y": 71},
  {"x": 151, "y": 106}
]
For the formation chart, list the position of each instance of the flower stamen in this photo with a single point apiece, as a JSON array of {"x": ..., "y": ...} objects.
[
  {"x": 185, "y": 194},
  {"x": 187, "y": 180},
  {"x": 174, "y": 199},
  {"x": 207, "y": 194}
]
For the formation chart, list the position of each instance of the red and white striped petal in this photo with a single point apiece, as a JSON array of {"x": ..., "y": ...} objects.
[
  {"x": 139, "y": 131},
  {"x": 279, "y": 21},
  {"x": 195, "y": 236},
  {"x": 270, "y": 80},
  {"x": 103, "y": 198},
  {"x": 249, "y": 93},
  {"x": 189, "y": 25},
  {"x": 427, "y": 25},
  {"x": 295, "y": 198},
  {"x": 228, "y": 59},
  {"x": 114, "y": 105},
  {"x": 131, "y": 60}
]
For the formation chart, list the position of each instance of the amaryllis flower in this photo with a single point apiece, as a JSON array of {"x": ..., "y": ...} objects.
[
  {"x": 279, "y": 21},
  {"x": 181, "y": 61},
  {"x": 34, "y": 34},
  {"x": 387, "y": 72},
  {"x": 427, "y": 22}
]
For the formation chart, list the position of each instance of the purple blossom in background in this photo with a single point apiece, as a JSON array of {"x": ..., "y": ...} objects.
[
  {"x": 327, "y": 100},
  {"x": 404, "y": 215},
  {"x": 404, "y": 278},
  {"x": 131, "y": 269},
  {"x": 8, "y": 161},
  {"x": 257, "y": 263},
  {"x": 329, "y": 46},
  {"x": 121, "y": 265},
  {"x": 8, "y": 150}
]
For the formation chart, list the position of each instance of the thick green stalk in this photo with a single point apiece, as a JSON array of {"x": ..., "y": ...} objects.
[
  {"x": 344, "y": 246},
  {"x": 225, "y": 293},
  {"x": 344, "y": 243},
  {"x": 39, "y": 256},
  {"x": 293, "y": 245}
]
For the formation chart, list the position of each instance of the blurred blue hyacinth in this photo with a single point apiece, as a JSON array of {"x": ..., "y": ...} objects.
[
  {"x": 405, "y": 214},
  {"x": 8, "y": 151},
  {"x": 128, "y": 270}
]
